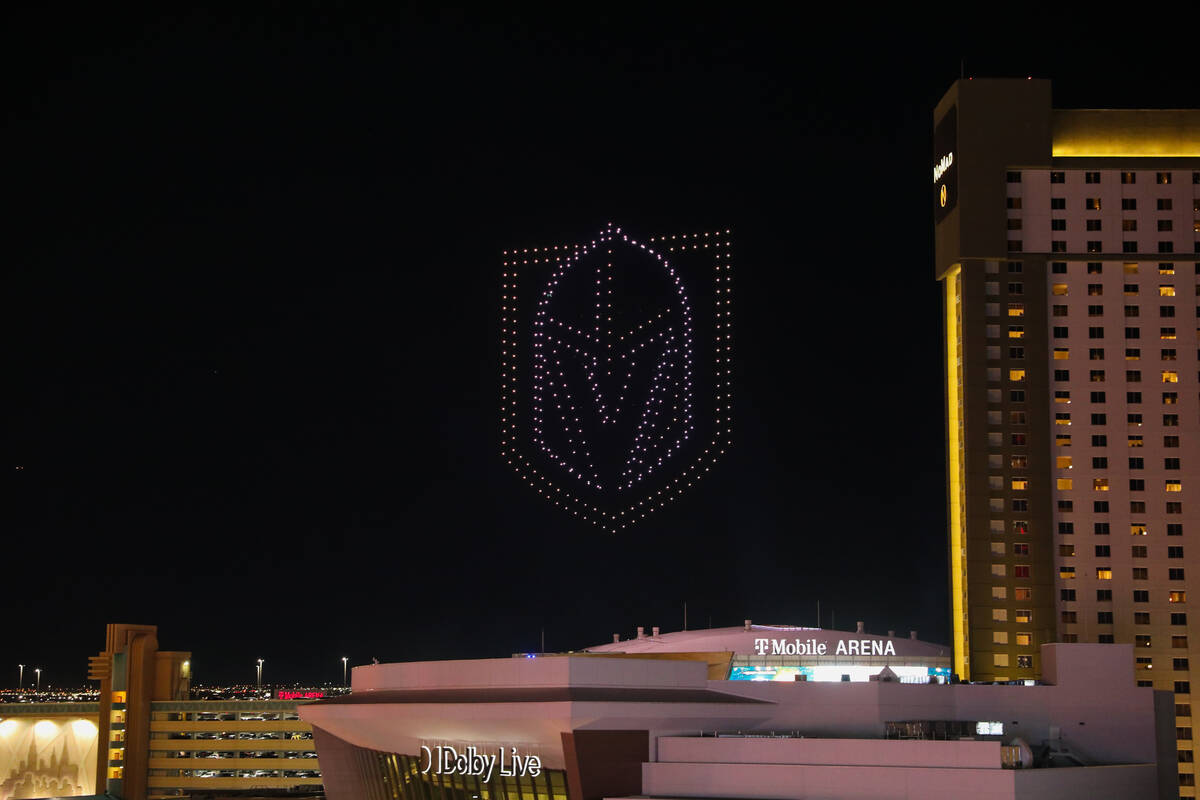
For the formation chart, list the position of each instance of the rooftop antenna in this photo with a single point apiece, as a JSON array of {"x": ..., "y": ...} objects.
[{"x": 685, "y": 615}]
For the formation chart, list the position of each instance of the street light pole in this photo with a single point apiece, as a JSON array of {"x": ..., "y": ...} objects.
[
  {"x": 343, "y": 670},
  {"x": 21, "y": 684},
  {"x": 260, "y": 663},
  {"x": 38, "y": 670}
]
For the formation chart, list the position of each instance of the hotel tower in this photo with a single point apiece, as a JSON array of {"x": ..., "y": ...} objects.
[{"x": 1067, "y": 242}]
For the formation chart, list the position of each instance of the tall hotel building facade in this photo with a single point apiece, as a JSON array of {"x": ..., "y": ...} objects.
[{"x": 1066, "y": 243}]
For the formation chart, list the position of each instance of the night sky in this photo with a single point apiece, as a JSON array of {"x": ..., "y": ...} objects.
[{"x": 251, "y": 300}]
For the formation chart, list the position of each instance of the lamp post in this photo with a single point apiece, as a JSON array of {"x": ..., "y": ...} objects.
[
  {"x": 21, "y": 683},
  {"x": 343, "y": 670},
  {"x": 260, "y": 663},
  {"x": 38, "y": 670}
]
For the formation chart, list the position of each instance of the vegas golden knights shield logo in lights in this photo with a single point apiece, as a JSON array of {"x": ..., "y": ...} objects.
[{"x": 616, "y": 369}]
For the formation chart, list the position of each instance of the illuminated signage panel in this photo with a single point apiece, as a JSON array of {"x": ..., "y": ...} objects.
[{"x": 945, "y": 165}]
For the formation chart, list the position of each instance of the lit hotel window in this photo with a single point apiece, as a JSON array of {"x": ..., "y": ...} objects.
[
  {"x": 999, "y": 615},
  {"x": 1062, "y": 418},
  {"x": 1166, "y": 269},
  {"x": 1166, "y": 333},
  {"x": 1062, "y": 462},
  {"x": 1016, "y": 309},
  {"x": 1066, "y": 573},
  {"x": 1064, "y": 484},
  {"x": 1170, "y": 376},
  {"x": 1024, "y": 615},
  {"x": 997, "y": 548},
  {"x": 1131, "y": 268},
  {"x": 1062, "y": 353},
  {"x": 1018, "y": 375},
  {"x": 1136, "y": 441},
  {"x": 1016, "y": 331},
  {"x": 1103, "y": 573},
  {"x": 1137, "y": 529},
  {"x": 1100, "y": 484},
  {"x": 1062, "y": 439},
  {"x": 1166, "y": 291},
  {"x": 999, "y": 593},
  {"x": 999, "y": 637},
  {"x": 1177, "y": 597},
  {"x": 1023, "y": 593},
  {"x": 1062, "y": 396},
  {"x": 1000, "y": 659},
  {"x": 999, "y": 570},
  {"x": 1020, "y": 483},
  {"x": 1174, "y": 486},
  {"x": 1059, "y": 289}
]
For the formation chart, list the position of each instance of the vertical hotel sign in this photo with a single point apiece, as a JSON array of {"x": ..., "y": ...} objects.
[{"x": 945, "y": 165}]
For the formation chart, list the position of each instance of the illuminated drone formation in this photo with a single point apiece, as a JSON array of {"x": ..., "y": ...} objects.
[{"x": 602, "y": 385}]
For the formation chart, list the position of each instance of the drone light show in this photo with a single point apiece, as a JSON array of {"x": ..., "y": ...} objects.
[{"x": 616, "y": 361}]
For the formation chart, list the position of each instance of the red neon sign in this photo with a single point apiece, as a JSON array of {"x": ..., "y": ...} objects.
[{"x": 286, "y": 695}]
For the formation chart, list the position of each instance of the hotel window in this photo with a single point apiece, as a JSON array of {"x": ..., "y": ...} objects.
[
  {"x": 1166, "y": 311},
  {"x": 1138, "y": 551},
  {"x": 1024, "y": 639},
  {"x": 1133, "y": 311},
  {"x": 1099, "y": 440},
  {"x": 1174, "y": 508},
  {"x": 1022, "y": 504},
  {"x": 1016, "y": 375},
  {"x": 1096, "y": 376},
  {"x": 1014, "y": 202},
  {"x": 1020, "y": 526},
  {"x": 1104, "y": 595},
  {"x": 1063, "y": 485},
  {"x": 1024, "y": 615},
  {"x": 999, "y": 637},
  {"x": 1170, "y": 463},
  {"x": 1095, "y": 353},
  {"x": 1165, "y": 225},
  {"x": 1174, "y": 529},
  {"x": 1014, "y": 246},
  {"x": 1104, "y": 617},
  {"x": 1170, "y": 399},
  {"x": 1129, "y": 204},
  {"x": 1103, "y": 551},
  {"x": 1060, "y": 332},
  {"x": 1016, "y": 309},
  {"x": 1058, "y": 177},
  {"x": 998, "y": 548},
  {"x": 1137, "y": 485},
  {"x": 1095, "y": 246},
  {"x": 1099, "y": 419},
  {"x": 1133, "y": 353},
  {"x": 1024, "y": 662},
  {"x": 1058, "y": 267},
  {"x": 999, "y": 615},
  {"x": 1141, "y": 618},
  {"x": 1016, "y": 353},
  {"x": 1062, "y": 418},
  {"x": 1128, "y": 177},
  {"x": 1097, "y": 397},
  {"x": 1091, "y": 204},
  {"x": 1100, "y": 462},
  {"x": 1100, "y": 484},
  {"x": 1129, "y": 224},
  {"x": 1016, "y": 331},
  {"x": 1066, "y": 594},
  {"x": 1070, "y": 616},
  {"x": 1000, "y": 659},
  {"x": 1058, "y": 246},
  {"x": 1165, "y": 204},
  {"x": 1136, "y": 441},
  {"x": 1129, "y": 247},
  {"x": 1179, "y": 643},
  {"x": 992, "y": 331},
  {"x": 1141, "y": 640},
  {"x": 1170, "y": 376},
  {"x": 1069, "y": 638},
  {"x": 1175, "y": 574},
  {"x": 1130, "y": 289},
  {"x": 1059, "y": 289},
  {"x": 1133, "y": 375},
  {"x": 1058, "y": 224},
  {"x": 1013, "y": 176},
  {"x": 1103, "y": 573},
  {"x": 1096, "y": 333},
  {"x": 1174, "y": 486},
  {"x": 1166, "y": 333},
  {"x": 1062, "y": 462},
  {"x": 1141, "y": 596},
  {"x": 1133, "y": 397},
  {"x": 1133, "y": 333},
  {"x": 1166, "y": 290},
  {"x": 1058, "y": 311},
  {"x": 1066, "y": 506},
  {"x": 1162, "y": 177},
  {"x": 1166, "y": 268},
  {"x": 1093, "y": 224},
  {"x": 1134, "y": 419},
  {"x": 1175, "y": 551},
  {"x": 1091, "y": 177},
  {"x": 1095, "y": 267},
  {"x": 1062, "y": 439},
  {"x": 1100, "y": 528},
  {"x": 1100, "y": 506},
  {"x": 1137, "y": 507},
  {"x": 999, "y": 593},
  {"x": 1167, "y": 354},
  {"x": 1137, "y": 463},
  {"x": 1021, "y": 570},
  {"x": 999, "y": 570},
  {"x": 1177, "y": 597},
  {"x": 1179, "y": 619},
  {"x": 1095, "y": 311},
  {"x": 1166, "y": 247},
  {"x": 1170, "y": 420}
]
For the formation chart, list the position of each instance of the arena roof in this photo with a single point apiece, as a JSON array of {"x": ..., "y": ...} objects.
[{"x": 749, "y": 640}]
